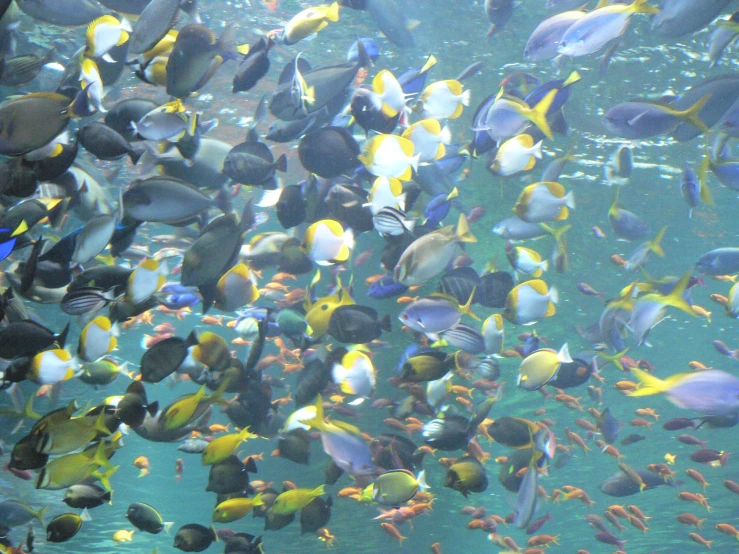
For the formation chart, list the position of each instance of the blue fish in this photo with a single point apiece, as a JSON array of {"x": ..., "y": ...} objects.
[
  {"x": 414, "y": 80},
  {"x": 438, "y": 208},
  {"x": 370, "y": 45},
  {"x": 562, "y": 86},
  {"x": 386, "y": 287}
]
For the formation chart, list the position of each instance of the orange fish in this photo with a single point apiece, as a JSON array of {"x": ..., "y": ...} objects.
[
  {"x": 211, "y": 320},
  {"x": 391, "y": 530},
  {"x": 142, "y": 462},
  {"x": 179, "y": 467}
]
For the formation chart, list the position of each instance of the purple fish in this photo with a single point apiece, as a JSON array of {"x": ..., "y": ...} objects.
[
  {"x": 721, "y": 348},
  {"x": 607, "y": 537}
]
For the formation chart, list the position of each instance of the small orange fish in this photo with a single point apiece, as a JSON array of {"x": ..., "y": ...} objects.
[
  {"x": 618, "y": 260},
  {"x": 701, "y": 311},
  {"x": 726, "y": 278},
  {"x": 406, "y": 299},
  {"x": 393, "y": 531},
  {"x": 719, "y": 299},
  {"x": 372, "y": 279},
  {"x": 142, "y": 462},
  {"x": 219, "y": 428},
  {"x": 179, "y": 467},
  {"x": 211, "y": 320}
]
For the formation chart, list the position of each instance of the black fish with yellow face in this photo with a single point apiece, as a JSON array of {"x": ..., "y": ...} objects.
[{"x": 466, "y": 475}]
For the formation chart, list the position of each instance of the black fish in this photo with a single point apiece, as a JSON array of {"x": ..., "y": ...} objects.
[
  {"x": 330, "y": 85},
  {"x": 252, "y": 163},
  {"x": 466, "y": 475},
  {"x": 105, "y": 143},
  {"x": 162, "y": 359},
  {"x": 329, "y": 152},
  {"x": 291, "y": 207},
  {"x": 288, "y": 131},
  {"x": 230, "y": 475},
  {"x": 312, "y": 379},
  {"x": 63, "y": 527},
  {"x": 146, "y": 518},
  {"x": 357, "y": 324},
  {"x": 293, "y": 258},
  {"x": 253, "y": 66},
  {"x": 315, "y": 515},
  {"x": 194, "y": 537},
  {"x": 494, "y": 289},
  {"x": 368, "y": 116},
  {"x": 510, "y": 431},
  {"x": 244, "y": 543},
  {"x": 121, "y": 116},
  {"x": 295, "y": 446},
  {"x": 28, "y": 338},
  {"x": 133, "y": 407}
]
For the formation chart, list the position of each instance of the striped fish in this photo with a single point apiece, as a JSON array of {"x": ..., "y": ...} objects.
[
  {"x": 85, "y": 300},
  {"x": 465, "y": 338},
  {"x": 393, "y": 222}
]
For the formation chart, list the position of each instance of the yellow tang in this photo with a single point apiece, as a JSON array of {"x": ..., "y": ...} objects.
[
  {"x": 221, "y": 448},
  {"x": 235, "y": 508},
  {"x": 309, "y": 22},
  {"x": 182, "y": 411},
  {"x": 293, "y": 500}
]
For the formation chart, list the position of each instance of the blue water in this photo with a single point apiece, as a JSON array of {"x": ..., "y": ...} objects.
[{"x": 644, "y": 66}]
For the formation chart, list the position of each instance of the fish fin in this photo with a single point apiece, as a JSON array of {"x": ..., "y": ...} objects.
[
  {"x": 691, "y": 114},
  {"x": 467, "y": 308},
  {"x": 654, "y": 244},
  {"x": 648, "y": 384},
  {"x": 463, "y": 233},
  {"x": 538, "y": 114},
  {"x": 316, "y": 421},
  {"x": 641, "y": 6}
]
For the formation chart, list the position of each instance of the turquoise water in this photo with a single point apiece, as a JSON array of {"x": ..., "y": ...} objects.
[{"x": 644, "y": 66}]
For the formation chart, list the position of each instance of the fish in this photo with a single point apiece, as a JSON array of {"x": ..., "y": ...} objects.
[
  {"x": 195, "y": 57},
  {"x": 593, "y": 31},
  {"x": 541, "y": 366},
  {"x": 427, "y": 256},
  {"x": 709, "y": 391},
  {"x": 308, "y": 22}
]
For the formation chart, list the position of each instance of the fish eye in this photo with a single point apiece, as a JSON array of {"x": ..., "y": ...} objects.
[{"x": 324, "y": 307}]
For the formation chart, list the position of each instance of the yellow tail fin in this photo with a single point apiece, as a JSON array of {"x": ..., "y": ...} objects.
[
  {"x": 538, "y": 114},
  {"x": 463, "y": 233},
  {"x": 691, "y": 114}
]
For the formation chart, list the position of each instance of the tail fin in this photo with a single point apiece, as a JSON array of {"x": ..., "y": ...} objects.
[
  {"x": 538, "y": 114},
  {"x": 691, "y": 114},
  {"x": 640, "y": 6},
  {"x": 467, "y": 308},
  {"x": 675, "y": 298},
  {"x": 463, "y": 233},
  {"x": 614, "y": 359},
  {"x": 316, "y": 421},
  {"x": 654, "y": 244},
  {"x": 648, "y": 384}
]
